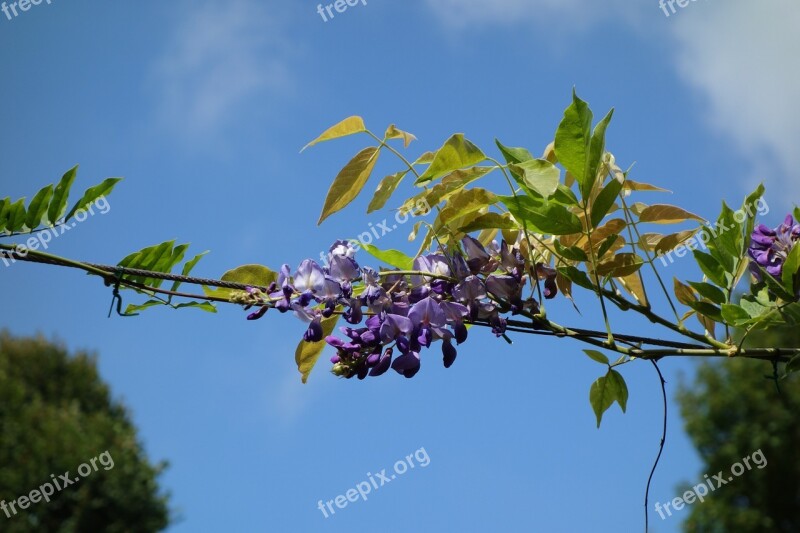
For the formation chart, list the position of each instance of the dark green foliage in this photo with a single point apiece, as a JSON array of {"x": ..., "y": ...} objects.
[
  {"x": 56, "y": 414},
  {"x": 731, "y": 411}
]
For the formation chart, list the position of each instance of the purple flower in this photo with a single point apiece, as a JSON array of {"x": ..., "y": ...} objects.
[
  {"x": 769, "y": 248},
  {"x": 511, "y": 260},
  {"x": 341, "y": 248},
  {"x": 393, "y": 326},
  {"x": 407, "y": 364},
  {"x": 448, "y": 353},
  {"x": 309, "y": 277},
  {"x": 314, "y": 332},
  {"x": 544, "y": 272},
  {"x": 258, "y": 313},
  {"x": 455, "y": 315},
  {"x": 383, "y": 363},
  {"x": 478, "y": 259},
  {"x": 427, "y": 312},
  {"x": 507, "y": 289}
]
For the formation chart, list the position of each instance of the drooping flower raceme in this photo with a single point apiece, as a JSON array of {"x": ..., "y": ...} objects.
[
  {"x": 769, "y": 247},
  {"x": 406, "y": 313}
]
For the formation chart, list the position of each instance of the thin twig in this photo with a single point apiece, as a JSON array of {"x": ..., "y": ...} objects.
[{"x": 660, "y": 447}]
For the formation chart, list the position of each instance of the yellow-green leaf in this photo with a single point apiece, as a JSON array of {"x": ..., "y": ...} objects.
[
  {"x": 633, "y": 284},
  {"x": 350, "y": 181},
  {"x": 455, "y": 154},
  {"x": 621, "y": 265},
  {"x": 684, "y": 293},
  {"x": 631, "y": 185},
  {"x": 385, "y": 189},
  {"x": 463, "y": 203},
  {"x": 348, "y": 126},
  {"x": 393, "y": 133},
  {"x": 254, "y": 275},
  {"x": 667, "y": 214},
  {"x": 307, "y": 353},
  {"x": 390, "y": 257},
  {"x": 490, "y": 221}
]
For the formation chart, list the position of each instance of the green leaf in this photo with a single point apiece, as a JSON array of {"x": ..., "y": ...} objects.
[
  {"x": 571, "y": 253},
  {"x": 707, "y": 309},
  {"x": 350, "y": 181},
  {"x": 607, "y": 390},
  {"x": 666, "y": 214},
  {"x": 565, "y": 196},
  {"x": 572, "y": 142},
  {"x": 749, "y": 203},
  {"x": 597, "y": 356},
  {"x": 754, "y": 307},
  {"x": 709, "y": 291},
  {"x": 793, "y": 365},
  {"x": 92, "y": 194},
  {"x": 513, "y": 155},
  {"x": 790, "y": 269},
  {"x": 606, "y": 245},
  {"x": 538, "y": 174},
  {"x": 710, "y": 267},
  {"x": 456, "y": 153},
  {"x": 38, "y": 207},
  {"x": 187, "y": 269},
  {"x": 5, "y": 205},
  {"x": 135, "y": 309},
  {"x": 602, "y": 204},
  {"x": 348, "y": 126},
  {"x": 16, "y": 216},
  {"x": 390, "y": 257},
  {"x": 541, "y": 216},
  {"x": 490, "y": 221},
  {"x": 597, "y": 147},
  {"x": 385, "y": 189},
  {"x": 728, "y": 242},
  {"x": 576, "y": 276},
  {"x": 58, "y": 203},
  {"x": 774, "y": 285},
  {"x": 621, "y": 389},
  {"x": 307, "y": 353},
  {"x": 735, "y": 315},
  {"x": 203, "y": 306}
]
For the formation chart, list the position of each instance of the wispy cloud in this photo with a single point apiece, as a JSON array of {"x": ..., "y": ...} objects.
[
  {"x": 741, "y": 55},
  {"x": 462, "y": 14},
  {"x": 220, "y": 58}
]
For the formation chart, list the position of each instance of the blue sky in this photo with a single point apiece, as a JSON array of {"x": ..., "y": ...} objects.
[{"x": 203, "y": 106}]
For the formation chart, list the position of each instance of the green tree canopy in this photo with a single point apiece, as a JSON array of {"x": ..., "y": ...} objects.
[
  {"x": 731, "y": 411},
  {"x": 55, "y": 415}
]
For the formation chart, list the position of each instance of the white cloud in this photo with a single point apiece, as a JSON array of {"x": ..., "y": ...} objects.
[
  {"x": 220, "y": 58},
  {"x": 460, "y": 14},
  {"x": 742, "y": 56}
]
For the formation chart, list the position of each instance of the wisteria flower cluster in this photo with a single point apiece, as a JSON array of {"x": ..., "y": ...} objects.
[
  {"x": 406, "y": 311},
  {"x": 769, "y": 248}
]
